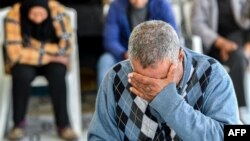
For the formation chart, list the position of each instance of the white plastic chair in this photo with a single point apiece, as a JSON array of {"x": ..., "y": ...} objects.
[
  {"x": 72, "y": 79},
  {"x": 5, "y": 80},
  {"x": 177, "y": 10}
]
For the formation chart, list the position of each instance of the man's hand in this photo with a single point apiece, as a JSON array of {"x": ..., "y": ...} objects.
[
  {"x": 225, "y": 46},
  {"x": 148, "y": 88}
]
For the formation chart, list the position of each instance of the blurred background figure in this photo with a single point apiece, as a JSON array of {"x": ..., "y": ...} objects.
[
  {"x": 38, "y": 42},
  {"x": 122, "y": 17},
  {"x": 224, "y": 27}
]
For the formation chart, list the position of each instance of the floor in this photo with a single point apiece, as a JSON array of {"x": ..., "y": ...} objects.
[
  {"x": 40, "y": 120},
  {"x": 42, "y": 129}
]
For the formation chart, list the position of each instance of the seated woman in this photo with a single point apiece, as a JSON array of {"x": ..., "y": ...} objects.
[{"x": 38, "y": 42}]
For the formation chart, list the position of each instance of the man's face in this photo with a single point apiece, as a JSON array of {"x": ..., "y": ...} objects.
[
  {"x": 158, "y": 70},
  {"x": 138, "y": 3}
]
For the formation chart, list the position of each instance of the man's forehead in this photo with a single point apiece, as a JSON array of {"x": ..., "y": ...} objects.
[{"x": 156, "y": 70}]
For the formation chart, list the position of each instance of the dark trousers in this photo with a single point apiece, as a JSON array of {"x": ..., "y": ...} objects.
[
  {"x": 23, "y": 75},
  {"x": 237, "y": 64}
]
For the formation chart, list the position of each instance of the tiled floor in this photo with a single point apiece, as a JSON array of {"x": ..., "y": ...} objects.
[
  {"x": 42, "y": 129},
  {"x": 40, "y": 120}
]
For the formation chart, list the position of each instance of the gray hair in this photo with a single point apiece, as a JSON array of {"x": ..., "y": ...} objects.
[{"x": 153, "y": 41}]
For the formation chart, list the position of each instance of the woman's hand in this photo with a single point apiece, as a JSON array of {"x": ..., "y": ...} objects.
[{"x": 60, "y": 59}]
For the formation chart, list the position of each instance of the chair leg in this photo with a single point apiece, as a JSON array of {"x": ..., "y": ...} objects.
[
  {"x": 74, "y": 103},
  {"x": 4, "y": 104}
]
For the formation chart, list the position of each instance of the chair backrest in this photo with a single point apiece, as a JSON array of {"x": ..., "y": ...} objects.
[
  {"x": 73, "y": 22},
  {"x": 40, "y": 80},
  {"x": 3, "y": 13},
  {"x": 182, "y": 12},
  {"x": 187, "y": 8}
]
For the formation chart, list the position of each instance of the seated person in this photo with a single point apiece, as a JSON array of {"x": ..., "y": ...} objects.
[
  {"x": 163, "y": 92},
  {"x": 122, "y": 17},
  {"x": 223, "y": 26},
  {"x": 38, "y": 42}
]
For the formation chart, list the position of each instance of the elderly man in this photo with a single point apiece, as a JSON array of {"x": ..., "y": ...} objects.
[{"x": 163, "y": 92}]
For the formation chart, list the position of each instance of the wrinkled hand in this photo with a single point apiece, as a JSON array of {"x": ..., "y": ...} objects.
[
  {"x": 60, "y": 59},
  {"x": 148, "y": 88}
]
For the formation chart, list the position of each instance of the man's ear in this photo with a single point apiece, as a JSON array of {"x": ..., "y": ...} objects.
[{"x": 181, "y": 55}]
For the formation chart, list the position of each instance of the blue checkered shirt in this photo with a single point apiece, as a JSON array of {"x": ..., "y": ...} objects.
[{"x": 195, "y": 110}]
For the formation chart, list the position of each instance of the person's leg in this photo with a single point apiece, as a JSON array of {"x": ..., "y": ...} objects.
[
  {"x": 22, "y": 76},
  {"x": 105, "y": 62},
  {"x": 55, "y": 74},
  {"x": 237, "y": 64}
]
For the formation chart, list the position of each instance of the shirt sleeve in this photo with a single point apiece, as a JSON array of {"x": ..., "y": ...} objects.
[
  {"x": 111, "y": 34},
  {"x": 63, "y": 29},
  {"x": 219, "y": 108},
  {"x": 200, "y": 23}
]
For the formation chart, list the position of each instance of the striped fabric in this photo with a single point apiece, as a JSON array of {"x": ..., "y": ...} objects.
[
  {"x": 137, "y": 120},
  {"x": 37, "y": 53}
]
